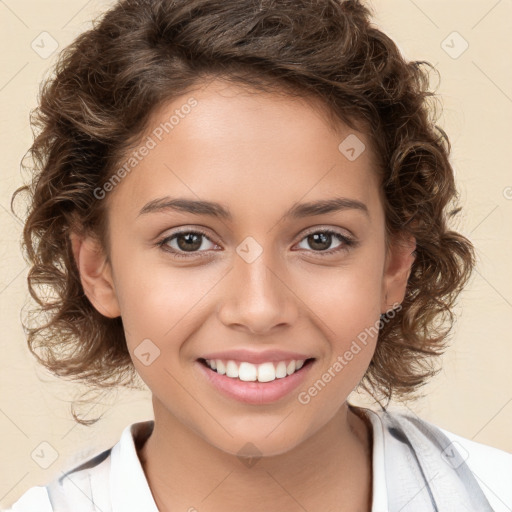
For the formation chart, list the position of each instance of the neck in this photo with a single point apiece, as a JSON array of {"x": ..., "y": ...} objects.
[{"x": 331, "y": 468}]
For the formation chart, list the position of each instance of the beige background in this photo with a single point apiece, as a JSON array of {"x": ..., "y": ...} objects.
[{"x": 472, "y": 396}]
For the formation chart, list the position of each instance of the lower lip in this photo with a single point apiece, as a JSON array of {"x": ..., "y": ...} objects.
[{"x": 255, "y": 392}]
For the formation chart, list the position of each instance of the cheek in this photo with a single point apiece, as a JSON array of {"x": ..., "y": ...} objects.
[
  {"x": 161, "y": 302},
  {"x": 346, "y": 299},
  {"x": 347, "y": 315},
  {"x": 345, "y": 307}
]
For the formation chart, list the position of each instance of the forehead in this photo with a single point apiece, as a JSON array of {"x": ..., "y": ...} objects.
[{"x": 226, "y": 143}]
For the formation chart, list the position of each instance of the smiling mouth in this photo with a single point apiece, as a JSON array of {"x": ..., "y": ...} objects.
[{"x": 248, "y": 372}]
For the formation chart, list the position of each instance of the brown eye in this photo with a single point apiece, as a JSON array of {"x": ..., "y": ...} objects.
[
  {"x": 183, "y": 242},
  {"x": 320, "y": 241},
  {"x": 189, "y": 241}
]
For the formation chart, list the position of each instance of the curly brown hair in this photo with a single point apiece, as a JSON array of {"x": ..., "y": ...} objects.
[{"x": 141, "y": 53}]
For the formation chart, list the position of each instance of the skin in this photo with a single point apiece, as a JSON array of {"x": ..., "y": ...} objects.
[{"x": 258, "y": 155}]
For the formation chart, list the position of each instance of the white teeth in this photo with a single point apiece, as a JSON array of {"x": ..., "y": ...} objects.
[
  {"x": 220, "y": 366},
  {"x": 290, "y": 368},
  {"x": 232, "y": 369},
  {"x": 248, "y": 372},
  {"x": 266, "y": 372},
  {"x": 281, "y": 370}
]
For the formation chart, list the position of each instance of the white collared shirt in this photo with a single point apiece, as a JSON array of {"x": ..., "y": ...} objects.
[{"x": 114, "y": 481}]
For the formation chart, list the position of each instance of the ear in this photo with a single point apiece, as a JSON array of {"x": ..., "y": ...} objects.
[
  {"x": 95, "y": 274},
  {"x": 399, "y": 259}
]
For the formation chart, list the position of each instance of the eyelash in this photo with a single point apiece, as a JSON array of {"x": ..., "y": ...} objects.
[{"x": 347, "y": 242}]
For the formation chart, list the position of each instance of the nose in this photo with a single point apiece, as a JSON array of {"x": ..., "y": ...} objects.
[{"x": 256, "y": 298}]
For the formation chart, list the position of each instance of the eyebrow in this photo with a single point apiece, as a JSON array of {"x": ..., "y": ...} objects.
[{"x": 199, "y": 207}]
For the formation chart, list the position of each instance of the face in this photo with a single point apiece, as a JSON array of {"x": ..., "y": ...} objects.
[{"x": 272, "y": 279}]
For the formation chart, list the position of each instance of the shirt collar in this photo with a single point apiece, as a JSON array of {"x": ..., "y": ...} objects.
[
  {"x": 130, "y": 490},
  {"x": 379, "y": 487}
]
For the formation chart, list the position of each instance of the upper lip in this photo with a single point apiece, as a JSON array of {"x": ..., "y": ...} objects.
[{"x": 253, "y": 357}]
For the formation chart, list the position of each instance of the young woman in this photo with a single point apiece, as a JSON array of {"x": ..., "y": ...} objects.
[{"x": 246, "y": 204}]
